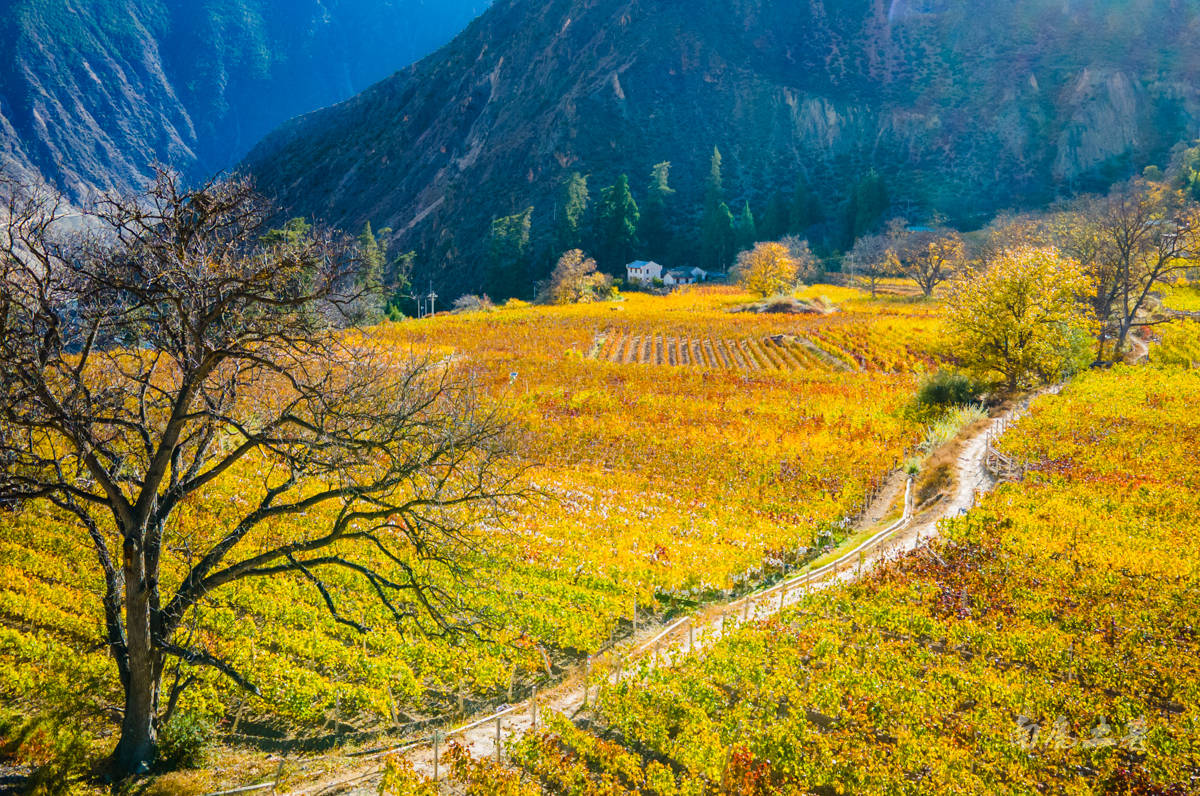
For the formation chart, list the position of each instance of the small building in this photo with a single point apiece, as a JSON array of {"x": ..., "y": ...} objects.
[
  {"x": 643, "y": 271},
  {"x": 684, "y": 276}
]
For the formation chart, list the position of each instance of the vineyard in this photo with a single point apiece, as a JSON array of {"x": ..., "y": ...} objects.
[
  {"x": 878, "y": 336},
  {"x": 1046, "y": 643},
  {"x": 771, "y": 353},
  {"x": 656, "y": 490}
]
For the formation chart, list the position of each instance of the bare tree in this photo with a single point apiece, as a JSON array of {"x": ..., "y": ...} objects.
[
  {"x": 874, "y": 257},
  {"x": 930, "y": 257},
  {"x": 141, "y": 364},
  {"x": 1130, "y": 241}
]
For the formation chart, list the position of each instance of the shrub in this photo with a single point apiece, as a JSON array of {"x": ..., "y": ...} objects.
[
  {"x": 473, "y": 303},
  {"x": 184, "y": 741},
  {"x": 949, "y": 388}
]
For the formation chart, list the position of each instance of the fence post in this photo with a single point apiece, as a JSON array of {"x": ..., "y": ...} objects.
[
  {"x": 499, "y": 740},
  {"x": 437, "y": 736},
  {"x": 533, "y": 707},
  {"x": 691, "y": 635},
  {"x": 587, "y": 673},
  {"x": 782, "y": 596}
]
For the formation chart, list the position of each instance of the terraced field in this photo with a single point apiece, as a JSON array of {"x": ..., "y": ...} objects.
[{"x": 778, "y": 352}]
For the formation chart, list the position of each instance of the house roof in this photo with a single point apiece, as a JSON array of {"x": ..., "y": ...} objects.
[{"x": 642, "y": 264}]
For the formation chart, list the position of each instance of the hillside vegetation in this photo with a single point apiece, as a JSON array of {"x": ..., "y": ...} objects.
[{"x": 960, "y": 108}]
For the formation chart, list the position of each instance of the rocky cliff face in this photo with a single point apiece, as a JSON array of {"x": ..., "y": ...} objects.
[
  {"x": 964, "y": 107},
  {"x": 93, "y": 91}
]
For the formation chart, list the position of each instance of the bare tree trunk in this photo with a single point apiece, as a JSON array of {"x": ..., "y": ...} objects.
[{"x": 138, "y": 745}]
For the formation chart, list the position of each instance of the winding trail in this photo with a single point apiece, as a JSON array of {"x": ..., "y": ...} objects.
[{"x": 659, "y": 646}]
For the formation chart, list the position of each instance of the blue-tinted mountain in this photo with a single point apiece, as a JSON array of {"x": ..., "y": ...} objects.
[{"x": 92, "y": 91}]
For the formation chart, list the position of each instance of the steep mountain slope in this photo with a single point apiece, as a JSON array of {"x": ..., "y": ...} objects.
[
  {"x": 963, "y": 105},
  {"x": 92, "y": 91}
]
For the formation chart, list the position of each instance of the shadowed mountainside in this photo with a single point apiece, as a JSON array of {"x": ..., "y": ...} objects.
[
  {"x": 963, "y": 107},
  {"x": 92, "y": 91}
]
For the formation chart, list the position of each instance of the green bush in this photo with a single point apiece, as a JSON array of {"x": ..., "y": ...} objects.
[
  {"x": 949, "y": 388},
  {"x": 183, "y": 741}
]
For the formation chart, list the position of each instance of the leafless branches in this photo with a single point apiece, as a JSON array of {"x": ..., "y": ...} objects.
[{"x": 143, "y": 363}]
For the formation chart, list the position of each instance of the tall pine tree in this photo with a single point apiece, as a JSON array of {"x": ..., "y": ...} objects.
[
  {"x": 716, "y": 225},
  {"x": 617, "y": 221},
  {"x": 572, "y": 211},
  {"x": 866, "y": 208},
  {"x": 372, "y": 261},
  {"x": 745, "y": 228},
  {"x": 656, "y": 230},
  {"x": 775, "y": 221},
  {"x": 508, "y": 256},
  {"x": 804, "y": 210}
]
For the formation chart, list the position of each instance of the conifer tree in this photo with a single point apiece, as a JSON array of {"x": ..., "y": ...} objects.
[
  {"x": 866, "y": 208},
  {"x": 371, "y": 254},
  {"x": 775, "y": 222},
  {"x": 572, "y": 211},
  {"x": 617, "y": 225},
  {"x": 656, "y": 223},
  {"x": 716, "y": 227},
  {"x": 745, "y": 228},
  {"x": 508, "y": 256},
  {"x": 804, "y": 210}
]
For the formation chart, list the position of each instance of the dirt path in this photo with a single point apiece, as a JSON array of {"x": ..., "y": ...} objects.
[
  {"x": 659, "y": 646},
  {"x": 1139, "y": 348}
]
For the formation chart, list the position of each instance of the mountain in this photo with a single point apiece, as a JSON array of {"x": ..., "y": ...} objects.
[
  {"x": 93, "y": 91},
  {"x": 962, "y": 106}
]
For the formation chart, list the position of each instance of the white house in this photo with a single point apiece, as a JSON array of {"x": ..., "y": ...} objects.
[
  {"x": 684, "y": 276},
  {"x": 646, "y": 272},
  {"x": 643, "y": 271}
]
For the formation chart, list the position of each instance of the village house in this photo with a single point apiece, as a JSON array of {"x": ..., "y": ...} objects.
[
  {"x": 684, "y": 276},
  {"x": 645, "y": 272}
]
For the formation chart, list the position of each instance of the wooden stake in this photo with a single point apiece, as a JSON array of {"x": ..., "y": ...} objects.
[
  {"x": 499, "y": 741},
  {"x": 533, "y": 707},
  {"x": 436, "y": 737}
]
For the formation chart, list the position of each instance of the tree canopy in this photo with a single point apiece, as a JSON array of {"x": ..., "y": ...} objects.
[{"x": 1023, "y": 320}]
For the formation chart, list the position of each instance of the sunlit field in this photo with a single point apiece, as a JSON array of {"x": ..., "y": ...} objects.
[
  {"x": 655, "y": 485},
  {"x": 1051, "y": 632}
]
